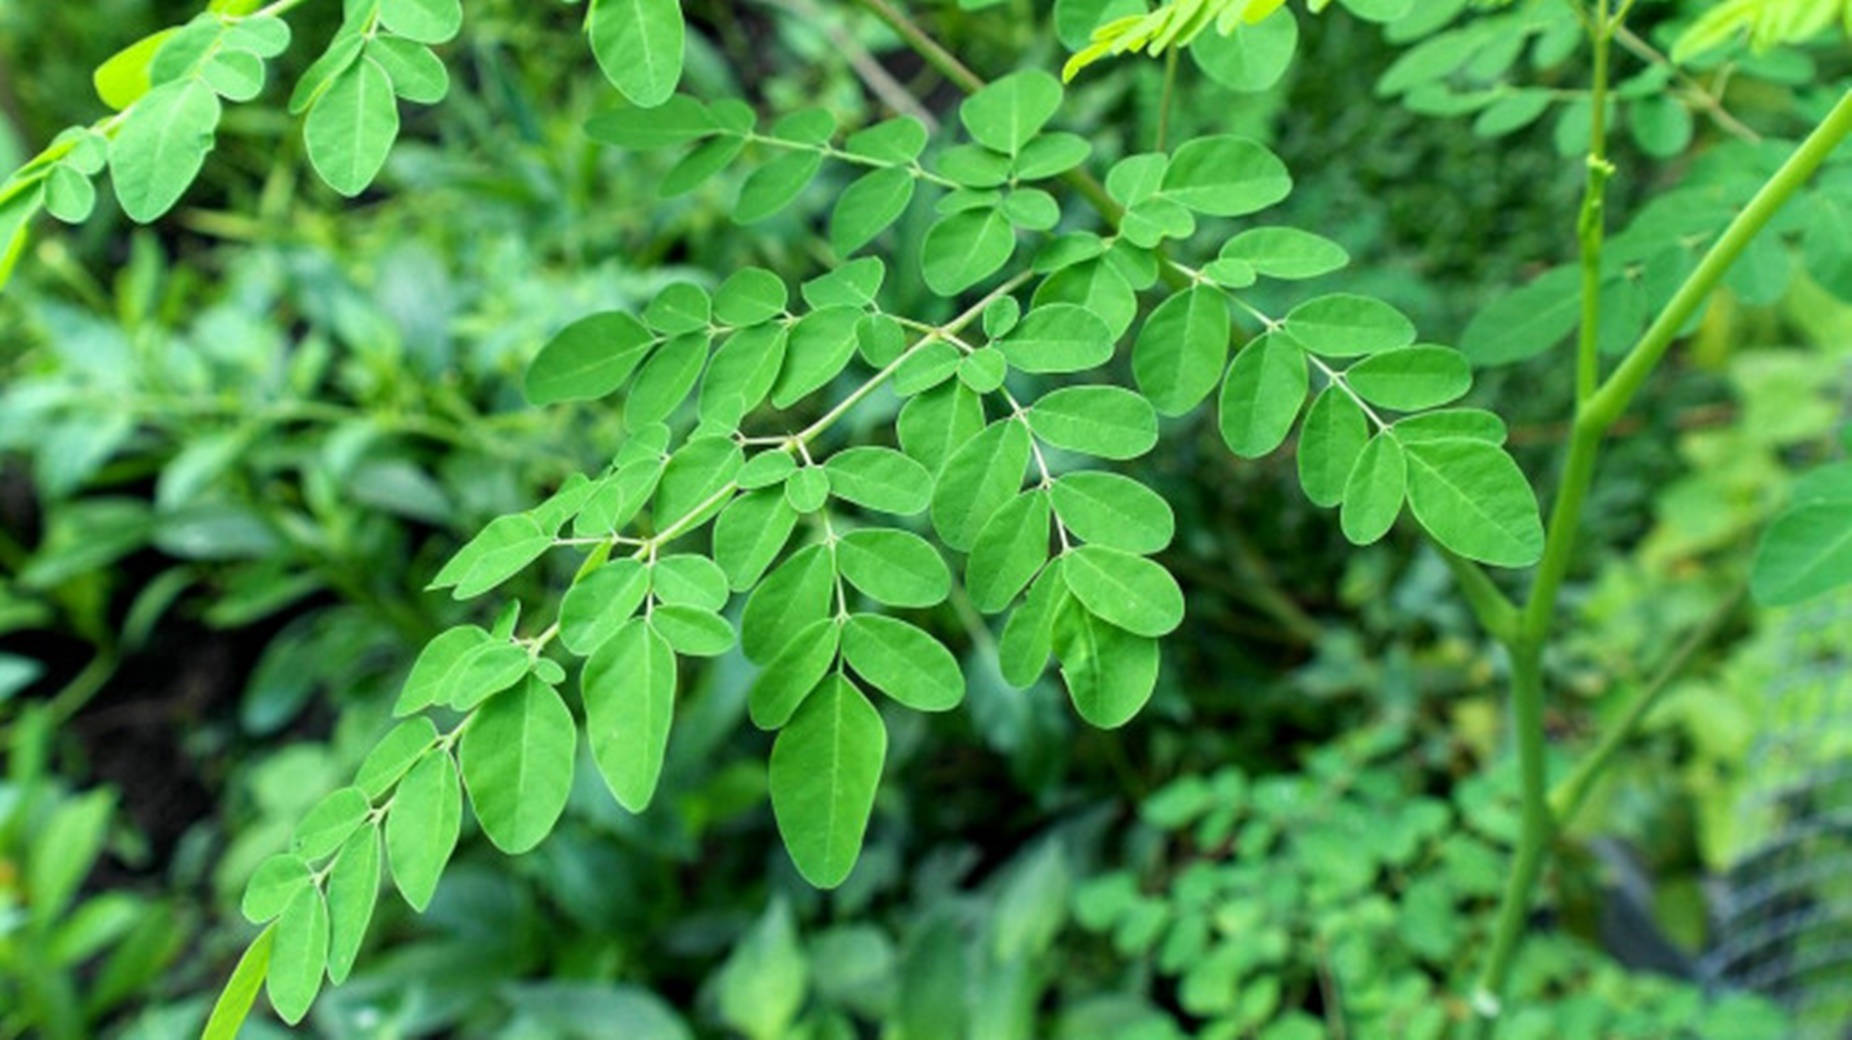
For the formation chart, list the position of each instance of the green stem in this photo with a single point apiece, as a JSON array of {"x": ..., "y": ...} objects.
[
  {"x": 1591, "y": 223},
  {"x": 1514, "y": 908},
  {"x": 1613, "y": 397},
  {"x": 1594, "y": 415},
  {"x": 1494, "y": 610}
]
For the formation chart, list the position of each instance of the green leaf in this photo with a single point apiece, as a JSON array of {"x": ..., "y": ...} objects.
[
  {"x": 965, "y": 248},
  {"x": 1058, "y": 337},
  {"x": 1471, "y": 423},
  {"x": 489, "y": 668},
  {"x": 791, "y": 677},
  {"x": 1007, "y": 113},
  {"x": 1373, "y": 494},
  {"x": 327, "y": 825},
  {"x": 1265, "y": 389},
  {"x": 866, "y": 207},
  {"x": 899, "y": 140},
  {"x": 983, "y": 370},
  {"x": 342, "y": 52},
  {"x": 903, "y": 661},
  {"x": 422, "y": 828},
  {"x": 1110, "y": 673},
  {"x": 587, "y": 359},
  {"x": 1807, "y": 549},
  {"x": 808, "y": 489},
  {"x": 439, "y": 667},
  {"x": 1048, "y": 155},
  {"x": 693, "y": 631},
  {"x": 1010, "y": 548},
  {"x": 1473, "y": 499},
  {"x": 69, "y": 195},
  {"x": 854, "y": 284},
  {"x": 1180, "y": 352},
  {"x": 689, "y": 579},
  {"x": 983, "y": 474},
  {"x": 393, "y": 755},
  {"x": 1028, "y": 636},
  {"x": 773, "y": 186},
  {"x": 272, "y": 885},
  {"x": 1527, "y": 322},
  {"x": 750, "y": 535},
  {"x": 1137, "y": 177},
  {"x": 1113, "y": 510},
  {"x": 499, "y": 552},
  {"x": 680, "y": 307},
  {"x": 353, "y": 889},
  {"x": 426, "y": 21},
  {"x": 762, "y": 985},
  {"x": 1097, "y": 286},
  {"x": 665, "y": 380},
  {"x": 234, "y": 1003},
  {"x": 1333, "y": 434},
  {"x": 743, "y": 370},
  {"x": 790, "y": 598},
  {"x": 749, "y": 296},
  {"x": 298, "y": 955},
  {"x": 416, "y": 73},
  {"x": 1226, "y": 176},
  {"x": 694, "y": 169},
  {"x": 934, "y": 425},
  {"x": 1411, "y": 378},
  {"x": 1000, "y": 316},
  {"x": 161, "y": 146},
  {"x": 695, "y": 482},
  {"x": 825, "y": 768},
  {"x": 629, "y": 691},
  {"x": 1285, "y": 252},
  {"x": 351, "y": 127},
  {"x": 821, "y": 346},
  {"x": 517, "y": 762},
  {"x": 1125, "y": 590},
  {"x": 600, "y": 603},
  {"x": 235, "y": 75},
  {"x": 893, "y": 567},
  {"x": 1344, "y": 325},
  {"x": 638, "y": 44},
  {"x": 1105, "y": 421},
  {"x": 1252, "y": 57},
  {"x": 123, "y": 78},
  {"x": 1031, "y": 209},
  {"x": 881, "y": 479}
]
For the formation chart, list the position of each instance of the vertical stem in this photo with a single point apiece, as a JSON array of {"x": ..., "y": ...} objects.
[
  {"x": 1591, "y": 223},
  {"x": 1514, "y": 908}
]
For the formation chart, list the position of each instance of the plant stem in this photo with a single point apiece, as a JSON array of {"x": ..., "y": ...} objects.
[
  {"x": 1612, "y": 399},
  {"x": 925, "y": 46},
  {"x": 1591, "y": 223},
  {"x": 1594, "y": 415}
]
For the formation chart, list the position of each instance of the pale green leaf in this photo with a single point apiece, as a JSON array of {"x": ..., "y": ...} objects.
[
  {"x": 789, "y": 679},
  {"x": 1180, "y": 351},
  {"x": 1265, "y": 389},
  {"x": 1010, "y": 548},
  {"x": 422, "y": 828},
  {"x": 1373, "y": 494},
  {"x": 1473, "y": 499},
  {"x": 894, "y": 567},
  {"x": 587, "y": 359},
  {"x": 983, "y": 474},
  {"x": 1334, "y": 432},
  {"x": 298, "y": 955},
  {"x": 1113, "y": 510},
  {"x": 353, "y": 889},
  {"x": 1104, "y": 421},
  {"x": 638, "y": 44},
  {"x": 351, "y": 127}
]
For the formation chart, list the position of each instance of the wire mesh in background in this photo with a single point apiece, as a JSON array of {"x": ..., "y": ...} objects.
[{"x": 1786, "y": 912}]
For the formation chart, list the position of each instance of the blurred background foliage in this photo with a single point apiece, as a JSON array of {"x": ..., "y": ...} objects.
[{"x": 236, "y": 446}]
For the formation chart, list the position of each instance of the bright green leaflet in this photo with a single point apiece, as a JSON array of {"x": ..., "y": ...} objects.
[
  {"x": 517, "y": 760},
  {"x": 298, "y": 955},
  {"x": 825, "y": 768},
  {"x": 629, "y": 692},
  {"x": 161, "y": 147},
  {"x": 1180, "y": 351},
  {"x": 353, "y": 889},
  {"x": 352, "y": 126},
  {"x": 903, "y": 661},
  {"x": 422, "y": 829},
  {"x": 1471, "y": 497},
  {"x": 234, "y": 1003},
  {"x": 1128, "y": 591},
  {"x": 638, "y": 44}
]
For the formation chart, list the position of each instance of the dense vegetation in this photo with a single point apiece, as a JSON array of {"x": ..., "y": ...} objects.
[{"x": 1228, "y": 518}]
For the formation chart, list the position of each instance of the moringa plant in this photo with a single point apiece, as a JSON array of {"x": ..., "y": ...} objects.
[{"x": 811, "y": 474}]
